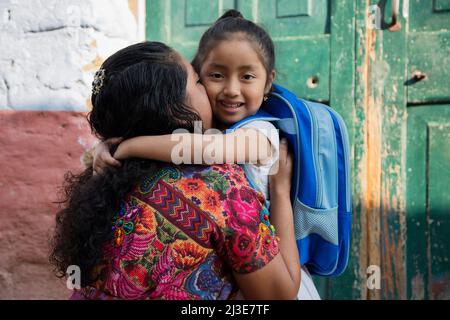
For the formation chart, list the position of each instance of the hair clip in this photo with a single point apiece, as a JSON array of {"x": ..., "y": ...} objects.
[{"x": 99, "y": 79}]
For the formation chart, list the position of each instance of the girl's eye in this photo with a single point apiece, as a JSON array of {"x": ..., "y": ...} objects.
[
  {"x": 248, "y": 77},
  {"x": 215, "y": 75}
]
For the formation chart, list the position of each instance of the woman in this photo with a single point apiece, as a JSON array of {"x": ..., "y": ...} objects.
[{"x": 158, "y": 231}]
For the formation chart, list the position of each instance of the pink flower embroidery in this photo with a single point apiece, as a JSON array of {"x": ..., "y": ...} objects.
[
  {"x": 242, "y": 245},
  {"x": 242, "y": 214}
]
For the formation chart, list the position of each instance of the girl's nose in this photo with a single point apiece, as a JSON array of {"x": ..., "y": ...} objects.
[{"x": 231, "y": 88}]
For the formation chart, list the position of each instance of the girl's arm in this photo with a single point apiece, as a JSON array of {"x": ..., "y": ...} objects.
[
  {"x": 280, "y": 278},
  {"x": 281, "y": 214},
  {"x": 241, "y": 146}
]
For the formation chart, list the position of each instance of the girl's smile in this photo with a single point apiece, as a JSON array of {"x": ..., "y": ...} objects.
[{"x": 230, "y": 106}]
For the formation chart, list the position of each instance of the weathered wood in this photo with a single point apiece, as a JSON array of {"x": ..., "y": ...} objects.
[
  {"x": 428, "y": 202},
  {"x": 342, "y": 99},
  {"x": 381, "y": 152}
]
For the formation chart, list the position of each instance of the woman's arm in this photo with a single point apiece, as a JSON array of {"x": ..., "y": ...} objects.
[
  {"x": 280, "y": 278},
  {"x": 240, "y": 146}
]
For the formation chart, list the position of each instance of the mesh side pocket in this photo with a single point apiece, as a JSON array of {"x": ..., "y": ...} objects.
[{"x": 323, "y": 222}]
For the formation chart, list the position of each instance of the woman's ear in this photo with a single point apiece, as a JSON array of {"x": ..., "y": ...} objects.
[{"x": 270, "y": 80}]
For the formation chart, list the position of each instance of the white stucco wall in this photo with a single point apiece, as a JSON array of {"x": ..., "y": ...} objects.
[
  {"x": 49, "y": 52},
  {"x": 50, "y": 49}
]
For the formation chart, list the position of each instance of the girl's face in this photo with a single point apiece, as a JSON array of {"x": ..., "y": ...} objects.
[
  {"x": 196, "y": 97},
  {"x": 235, "y": 80}
]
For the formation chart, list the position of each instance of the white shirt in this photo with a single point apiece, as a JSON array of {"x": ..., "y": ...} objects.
[
  {"x": 260, "y": 176},
  {"x": 259, "y": 173}
]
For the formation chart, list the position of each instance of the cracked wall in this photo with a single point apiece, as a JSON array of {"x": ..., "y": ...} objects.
[
  {"x": 51, "y": 49},
  {"x": 49, "y": 52}
]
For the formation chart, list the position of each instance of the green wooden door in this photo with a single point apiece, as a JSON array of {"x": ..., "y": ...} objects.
[
  {"x": 428, "y": 205},
  {"x": 401, "y": 147},
  {"x": 428, "y": 148}
]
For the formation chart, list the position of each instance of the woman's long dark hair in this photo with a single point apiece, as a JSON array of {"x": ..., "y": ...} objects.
[{"x": 143, "y": 93}]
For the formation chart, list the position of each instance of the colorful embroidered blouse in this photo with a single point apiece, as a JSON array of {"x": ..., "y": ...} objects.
[{"x": 180, "y": 233}]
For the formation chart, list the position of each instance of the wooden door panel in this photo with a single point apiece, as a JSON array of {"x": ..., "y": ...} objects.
[
  {"x": 181, "y": 23},
  {"x": 306, "y": 72},
  {"x": 300, "y": 31},
  {"x": 428, "y": 51},
  {"x": 428, "y": 15},
  {"x": 429, "y": 56},
  {"x": 428, "y": 202},
  {"x": 439, "y": 209},
  {"x": 294, "y": 18},
  {"x": 190, "y": 18}
]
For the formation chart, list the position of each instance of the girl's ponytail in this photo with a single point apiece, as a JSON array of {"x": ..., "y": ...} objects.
[{"x": 231, "y": 14}]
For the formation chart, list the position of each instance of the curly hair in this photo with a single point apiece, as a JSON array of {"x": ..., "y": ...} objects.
[{"x": 143, "y": 93}]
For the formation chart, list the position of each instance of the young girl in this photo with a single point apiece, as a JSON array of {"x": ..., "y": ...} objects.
[{"x": 236, "y": 64}]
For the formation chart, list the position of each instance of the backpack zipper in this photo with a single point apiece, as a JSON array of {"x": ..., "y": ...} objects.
[
  {"x": 318, "y": 169},
  {"x": 346, "y": 146}
]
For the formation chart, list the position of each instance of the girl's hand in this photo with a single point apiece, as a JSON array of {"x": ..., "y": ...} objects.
[
  {"x": 103, "y": 157},
  {"x": 123, "y": 150},
  {"x": 280, "y": 183}
]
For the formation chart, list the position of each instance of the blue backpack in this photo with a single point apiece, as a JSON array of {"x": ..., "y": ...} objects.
[{"x": 321, "y": 195}]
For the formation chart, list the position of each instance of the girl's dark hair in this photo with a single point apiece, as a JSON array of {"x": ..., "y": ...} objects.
[
  {"x": 143, "y": 93},
  {"x": 225, "y": 28}
]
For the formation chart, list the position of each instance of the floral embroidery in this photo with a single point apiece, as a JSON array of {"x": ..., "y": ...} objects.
[
  {"x": 146, "y": 222},
  {"x": 210, "y": 202},
  {"x": 179, "y": 232},
  {"x": 191, "y": 186},
  {"x": 242, "y": 244},
  {"x": 187, "y": 254},
  {"x": 243, "y": 214}
]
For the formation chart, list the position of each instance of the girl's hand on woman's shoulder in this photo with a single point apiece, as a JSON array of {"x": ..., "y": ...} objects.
[
  {"x": 280, "y": 182},
  {"x": 102, "y": 155}
]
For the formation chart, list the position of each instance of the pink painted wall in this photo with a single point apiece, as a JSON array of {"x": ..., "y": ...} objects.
[{"x": 37, "y": 148}]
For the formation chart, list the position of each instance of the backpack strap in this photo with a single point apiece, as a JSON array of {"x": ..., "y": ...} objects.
[
  {"x": 260, "y": 115},
  {"x": 287, "y": 125}
]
